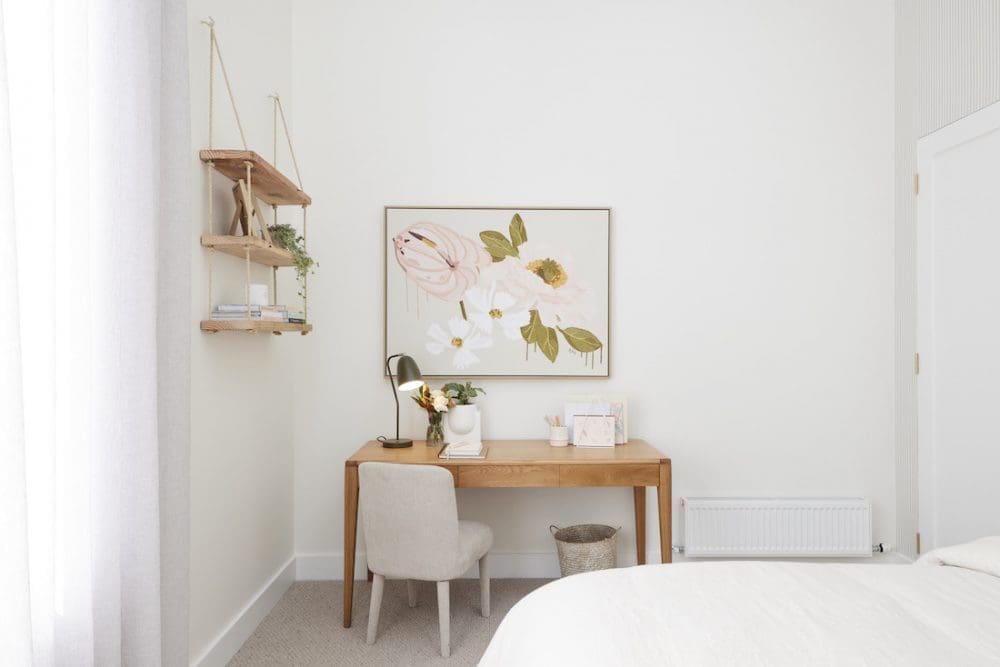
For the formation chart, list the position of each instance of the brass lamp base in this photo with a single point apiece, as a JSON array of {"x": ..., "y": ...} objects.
[{"x": 396, "y": 443}]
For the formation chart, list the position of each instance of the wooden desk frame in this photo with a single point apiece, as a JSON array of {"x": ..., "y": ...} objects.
[{"x": 526, "y": 464}]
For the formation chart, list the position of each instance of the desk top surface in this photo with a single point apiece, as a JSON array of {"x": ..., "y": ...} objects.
[{"x": 514, "y": 452}]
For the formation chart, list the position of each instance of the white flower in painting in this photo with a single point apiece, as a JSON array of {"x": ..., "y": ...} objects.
[
  {"x": 440, "y": 400},
  {"x": 544, "y": 279},
  {"x": 489, "y": 307},
  {"x": 462, "y": 337}
]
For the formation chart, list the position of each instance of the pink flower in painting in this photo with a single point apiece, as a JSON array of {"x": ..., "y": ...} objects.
[
  {"x": 545, "y": 279},
  {"x": 439, "y": 260}
]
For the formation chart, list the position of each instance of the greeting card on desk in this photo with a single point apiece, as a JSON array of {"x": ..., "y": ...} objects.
[{"x": 594, "y": 431}]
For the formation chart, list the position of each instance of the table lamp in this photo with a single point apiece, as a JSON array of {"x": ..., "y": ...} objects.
[{"x": 409, "y": 378}]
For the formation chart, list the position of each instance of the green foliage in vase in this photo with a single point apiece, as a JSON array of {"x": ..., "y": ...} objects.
[
  {"x": 288, "y": 237},
  {"x": 462, "y": 393}
]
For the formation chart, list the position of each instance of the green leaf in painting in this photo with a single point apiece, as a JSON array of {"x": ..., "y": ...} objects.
[
  {"x": 550, "y": 344},
  {"x": 497, "y": 245},
  {"x": 518, "y": 234},
  {"x": 581, "y": 340},
  {"x": 534, "y": 330}
]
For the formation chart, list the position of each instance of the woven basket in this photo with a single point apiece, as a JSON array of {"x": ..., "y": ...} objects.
[{"x": 585, "y": 548}]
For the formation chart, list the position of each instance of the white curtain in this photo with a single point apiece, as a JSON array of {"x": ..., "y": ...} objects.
[{"x": 95, "y": 333}]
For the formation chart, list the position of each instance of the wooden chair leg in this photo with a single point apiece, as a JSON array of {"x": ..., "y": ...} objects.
[
  {"x": 484, "y": 586},
  {"x": 378, "y": 585},
  {"x": 411, "y": 592},
  {"x": 444, "y": 617}
]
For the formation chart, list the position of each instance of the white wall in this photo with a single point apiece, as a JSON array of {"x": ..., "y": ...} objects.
[
  {"x": 242, "y": 412},
  {"x": 947, "y": 66},
  {"x": 747, "y": 152}
]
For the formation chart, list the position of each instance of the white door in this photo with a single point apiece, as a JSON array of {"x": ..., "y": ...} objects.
[{"x": 958, "y": 330}]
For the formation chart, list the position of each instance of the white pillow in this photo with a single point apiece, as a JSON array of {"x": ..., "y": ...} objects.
[{"x": 982, "y": 555}]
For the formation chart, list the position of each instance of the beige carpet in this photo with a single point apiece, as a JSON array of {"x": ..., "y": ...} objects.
[{"x": 305, "y": 627}]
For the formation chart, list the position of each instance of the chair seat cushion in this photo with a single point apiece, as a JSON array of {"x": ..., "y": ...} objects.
[{"x": 474, "y": 540}]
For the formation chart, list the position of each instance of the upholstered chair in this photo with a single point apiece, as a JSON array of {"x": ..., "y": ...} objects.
[{"x": 410, "y": 521}]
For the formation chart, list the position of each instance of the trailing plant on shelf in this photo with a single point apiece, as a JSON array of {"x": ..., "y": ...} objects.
[
  {"x": 288, "y": 238},
  {"x": 462, "y": 393}
]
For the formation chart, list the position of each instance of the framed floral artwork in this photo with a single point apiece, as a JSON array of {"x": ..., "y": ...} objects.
[{"x": 499, "y": 291}]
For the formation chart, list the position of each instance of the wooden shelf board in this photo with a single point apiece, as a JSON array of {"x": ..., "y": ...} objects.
[
  {"x": 269, "y": 184},
  {"x": 254, "y": 326},
  {"x": 261, "y": 252}
]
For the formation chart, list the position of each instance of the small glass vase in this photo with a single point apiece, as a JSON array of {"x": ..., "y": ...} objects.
[{"x": 435, "y": 434}]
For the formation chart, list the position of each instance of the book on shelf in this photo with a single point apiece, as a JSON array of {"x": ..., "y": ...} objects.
[
  {"x": 237, "y": 311},
  {"x": 242, "y": 307},
  {"x": 255, "y": 317}
]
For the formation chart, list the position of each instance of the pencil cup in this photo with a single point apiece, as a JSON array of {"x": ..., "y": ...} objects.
[{"x": 559, "y": 436}]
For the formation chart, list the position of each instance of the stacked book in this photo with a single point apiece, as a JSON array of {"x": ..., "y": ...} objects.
[
  {"x": 238, "y": 311},
  {"x": 464, "y": 450}
]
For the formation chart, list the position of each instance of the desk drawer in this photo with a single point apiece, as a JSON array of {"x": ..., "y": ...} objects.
[
  {"x": 508, "y": 476},
  {"x": 633, "y": 474}
]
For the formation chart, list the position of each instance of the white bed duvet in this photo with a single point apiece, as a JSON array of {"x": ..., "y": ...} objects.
[{"x": 753, "y": 613}]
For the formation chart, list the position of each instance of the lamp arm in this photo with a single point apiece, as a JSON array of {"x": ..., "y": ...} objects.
[{"x": 395, "y": 396}]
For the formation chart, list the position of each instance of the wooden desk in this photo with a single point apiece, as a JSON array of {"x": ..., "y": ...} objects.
[{"x": 525, "y": 463}]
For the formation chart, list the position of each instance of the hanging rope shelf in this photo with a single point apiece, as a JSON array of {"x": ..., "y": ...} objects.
[{"x": 255, "y": 180}]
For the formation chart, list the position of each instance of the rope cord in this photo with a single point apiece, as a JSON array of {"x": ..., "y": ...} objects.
[
  {"x": 288, "y": 138},
  {"x": 211, "y": 215},
  {"x": 251, "y": 200},
  {"x": 275, "y": 126},
  {"x": 214, "y": 48},
  {"x": 210, "y": 167},
  {"x": 211, "y": 255},
  {"x": 211, "y": 76},
  {"x": 229, "y": 89},
  {"x": 305, "y": 278}
]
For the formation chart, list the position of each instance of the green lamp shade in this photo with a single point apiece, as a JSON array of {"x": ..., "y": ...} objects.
[{"x": 407, "y": 374}]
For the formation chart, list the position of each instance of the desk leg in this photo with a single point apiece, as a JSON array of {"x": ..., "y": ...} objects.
[
  {"x": 639, "y": 496},
  {"x": 350, "y": 537},
  {"x": 663, "y": 499}
]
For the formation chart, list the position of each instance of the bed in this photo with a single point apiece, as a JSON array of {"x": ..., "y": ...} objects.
[{"x": 943, "y": 610}]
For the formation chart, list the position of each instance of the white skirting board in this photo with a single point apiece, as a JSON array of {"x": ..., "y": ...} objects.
[
  {"x": 544, "y": 565},
  {"x": 228, "y": 642},
  {"x": 330, "y": 567}
]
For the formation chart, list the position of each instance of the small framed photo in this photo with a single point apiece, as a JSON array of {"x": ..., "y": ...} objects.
[
  {"x": 608, "y": 405},
  {"x": 594, "y": 431}
]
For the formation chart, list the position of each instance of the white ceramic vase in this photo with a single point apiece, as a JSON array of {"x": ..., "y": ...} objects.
[{"x": 462, "y": 419}]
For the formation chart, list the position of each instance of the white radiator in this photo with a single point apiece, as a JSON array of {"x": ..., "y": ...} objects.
[{"x": 791, "y": 527}]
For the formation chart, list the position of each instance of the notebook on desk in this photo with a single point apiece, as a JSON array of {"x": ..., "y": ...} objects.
[{"x": 464, "y": 450}]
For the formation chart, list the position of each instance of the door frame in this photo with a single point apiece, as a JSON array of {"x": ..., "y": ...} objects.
[{"x": 962, "y": 131}]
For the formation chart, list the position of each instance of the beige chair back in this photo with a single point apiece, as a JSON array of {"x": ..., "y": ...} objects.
[{"x": 410, "y": 520}]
